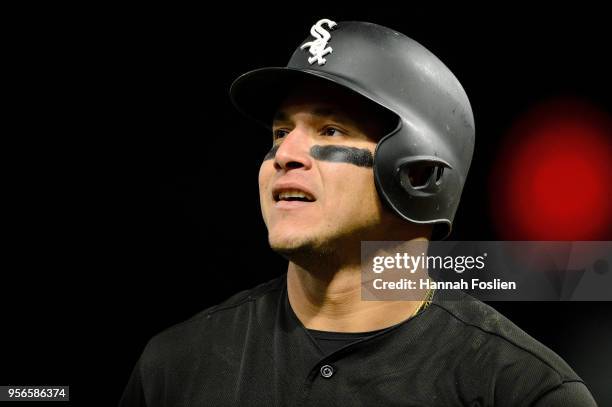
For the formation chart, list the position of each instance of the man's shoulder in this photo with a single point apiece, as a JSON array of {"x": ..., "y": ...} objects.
[
  {"x": 491, "y": 332},
  {"x": 199, "y": 330}
]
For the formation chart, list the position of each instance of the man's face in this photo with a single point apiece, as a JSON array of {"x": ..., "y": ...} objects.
[{"x": 317, "y": 184}]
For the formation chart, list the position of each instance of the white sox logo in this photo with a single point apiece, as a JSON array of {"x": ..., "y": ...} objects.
[{"x": 318, "y": 48}]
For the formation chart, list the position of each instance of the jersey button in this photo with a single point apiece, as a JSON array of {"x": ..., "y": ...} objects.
[{"x": 327, "y": 371}]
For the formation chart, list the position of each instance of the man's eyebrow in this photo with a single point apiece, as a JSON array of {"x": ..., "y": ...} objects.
[{"x": 280, "y": 116}]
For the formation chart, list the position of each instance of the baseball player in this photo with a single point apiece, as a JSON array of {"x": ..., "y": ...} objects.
[{"x": 372, "y": 138}]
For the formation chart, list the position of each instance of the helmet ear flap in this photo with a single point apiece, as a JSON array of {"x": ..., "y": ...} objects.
[{"x": 421, "y": 175}]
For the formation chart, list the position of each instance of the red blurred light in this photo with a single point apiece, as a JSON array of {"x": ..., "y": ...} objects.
[{"x": 552, "y": 177}]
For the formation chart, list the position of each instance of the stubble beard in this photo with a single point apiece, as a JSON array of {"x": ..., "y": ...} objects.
[
  {"x": 322, "y": 253},
  {"x": 303, "y": 249}
]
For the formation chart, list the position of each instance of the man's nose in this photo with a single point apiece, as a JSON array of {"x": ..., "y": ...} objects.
[{"x": 294, "y": 151}]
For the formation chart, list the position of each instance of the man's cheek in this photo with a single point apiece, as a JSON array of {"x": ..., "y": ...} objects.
[
  {"x": 271, "y": 154},
  {"x": 264, "y": 179}
]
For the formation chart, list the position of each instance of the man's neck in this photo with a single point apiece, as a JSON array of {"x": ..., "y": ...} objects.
[{"x": 332, "y": 302}]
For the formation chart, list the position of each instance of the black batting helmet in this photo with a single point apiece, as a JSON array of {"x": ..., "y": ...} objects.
[{"x": 434, "y": 135}]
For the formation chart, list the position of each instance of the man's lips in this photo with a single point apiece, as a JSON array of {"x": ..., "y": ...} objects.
[
  {"x": 291, "y": 195},
  {"x": 292, "y": 204}
]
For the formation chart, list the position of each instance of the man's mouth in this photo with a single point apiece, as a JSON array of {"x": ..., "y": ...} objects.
[{"x": 292, "y": 195}]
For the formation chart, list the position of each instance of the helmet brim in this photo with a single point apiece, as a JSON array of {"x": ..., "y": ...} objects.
[{"x": 258, "y": 93}]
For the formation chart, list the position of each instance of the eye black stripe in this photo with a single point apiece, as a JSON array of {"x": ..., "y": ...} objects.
[{"x": 360, "y": 157}]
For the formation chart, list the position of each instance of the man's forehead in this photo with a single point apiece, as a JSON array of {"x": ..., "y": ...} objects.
[{"x": 286, "y": 110}]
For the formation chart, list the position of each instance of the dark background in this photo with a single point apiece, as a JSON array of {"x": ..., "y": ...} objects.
[{"x": 131, "y": 183}]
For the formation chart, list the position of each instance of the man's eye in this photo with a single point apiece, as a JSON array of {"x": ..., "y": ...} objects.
[
  {"x": 331, "y": 131},
  {"x": 280, "y": 134}
]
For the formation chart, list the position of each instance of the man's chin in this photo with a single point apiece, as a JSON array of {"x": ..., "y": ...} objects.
[{"x": 291, "y": 245}]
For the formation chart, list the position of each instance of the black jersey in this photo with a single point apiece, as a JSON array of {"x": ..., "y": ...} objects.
[{"x": 252, "y": 350}]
